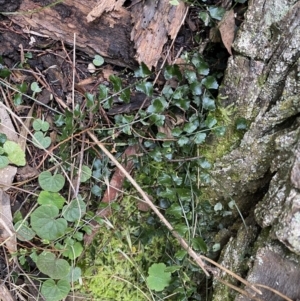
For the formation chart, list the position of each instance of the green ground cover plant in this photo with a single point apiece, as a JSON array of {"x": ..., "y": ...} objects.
[{"x": 133, "y": 256}]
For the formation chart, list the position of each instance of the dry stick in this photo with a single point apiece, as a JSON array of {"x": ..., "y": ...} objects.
[
  {"x": 182, "y": 242},
  {"x": 241, "y": 291},
  {"x": 275, "y": 292}
]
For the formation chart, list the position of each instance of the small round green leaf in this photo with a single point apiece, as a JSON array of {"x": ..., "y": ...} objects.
[
  {"x": 14, "y": 152},
  {"x": 40, "y": 125},
  {"x": 55, "y": 291},
  {"x": 98, "y": 60},
  {"x": 204, "y": 16},
  {"x": 86, "y": 173},
  {"x": 183, "y": 141},
  {"x": 74, "y": 274},
  {"x": 158, "y": 105},
  {"x": 54, "y": 267},
  {"x": 3, "y": 138},
  {"x": 18, "y": 99},
  {"x": 208, "y": 103},
  {"x": 172, "y": 71},
  {"x": 40, "y": 141},
  {"x": 241, "y": 124},
  {"x": 96, "y": 190},
  {"x": 200, "y": 64},
  {"x": 73, "y": 251},
  {"x": 3, "y": 161},
  {"x": 4, "y": 72},
  {"x": 75, "y": 210},
  {"x": 24, "y": 232},
  {"x": 190, "y": 127},
  {"x": 210, "y": 82},
  {"x": 196, "y": 88},
  {"x": 191, "y": 76},
  {"x": 218, "y": 206},
  {"x": 143, "y": 71},
  {"x": 199, "y": 138},
  {"x": 216, "y": 12},
  {"x": 145, "y": 87},
  {"x": 45, "y": 223},
  {"x": 51, "y": 183},
  {"x": 116, "y": 82},
  {"x": 198, "y": 244},
  {"x": 210, "y": 121},
  {"x": 158, "y": 278},
  {"x": 35, "y": 87},
  {"x": 103, "y": 92},
  {"x": 51, "y": 198},
  {"x": 158, "y": 119}
]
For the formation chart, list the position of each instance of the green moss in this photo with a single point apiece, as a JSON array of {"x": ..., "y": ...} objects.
[
  {"x": 220, "y": 146},
  {"x": 114, "y": 277},
  {"x": 114, "y": 266}
]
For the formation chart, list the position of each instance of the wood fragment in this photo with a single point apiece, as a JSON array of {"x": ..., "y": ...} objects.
[
  {"x": 104, "y": 6},
  {"x": 108, "y": 36},
  {"x": 108, "y": 29},
  {"x": 154, "y": 22}
]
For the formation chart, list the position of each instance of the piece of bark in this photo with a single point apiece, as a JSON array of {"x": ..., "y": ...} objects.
[
  {"x": 104, "y": 6},
  {"x": 107, "y": 29},
  {"x": 108, "y": 36},
  {"x": 153, "y": 22}
]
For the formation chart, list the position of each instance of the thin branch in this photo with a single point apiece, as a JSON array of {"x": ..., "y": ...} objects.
[{"x": 182, "y": 242}]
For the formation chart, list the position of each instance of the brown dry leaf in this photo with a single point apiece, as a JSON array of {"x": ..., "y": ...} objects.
[
  {"x": 166, "y": 129},
  {"x": 227, "y": 29},
  {"x": 7, "y": 173},
  {"x": 107, "y": 71},
  {"x": 26, "y": 172},
  {"x": 6, "y": 227},
  {"x": 5, "y": 294},
  {"x": 86, "y": 81},
  {"x": 143, "y": 206},
  {"x": 115, "y": 185},
  {"x": 104, "y": 6},
  {"x": 191, "y": 24}
]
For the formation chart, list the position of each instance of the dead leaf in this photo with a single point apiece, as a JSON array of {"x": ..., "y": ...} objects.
[
  {"x": 191, "y": 24},
  {"x": 166, "y": 129},
  {"x": 107, "y": 71},
  {"x": 86, "y": 81},
  {"x": 6, "y": 227},
  {"x": 22, "y": 141},
  {"x": 26, "y": 172},
  {"x": 6, "y": 125},
  {"x": 142, "y": 206},
  {"x": 7, "y": 173},
  {"x": 227, "y": 29},
  {"x": 5, "y": 294},
  {"x": 114, "y": 187}
]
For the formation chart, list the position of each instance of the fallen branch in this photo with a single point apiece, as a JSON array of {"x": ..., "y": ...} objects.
[{"x": 182, "y": 242}]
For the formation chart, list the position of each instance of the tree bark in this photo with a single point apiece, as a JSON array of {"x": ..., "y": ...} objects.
[
  {"x": 261, "y": 172},
  {"x": 123, "y": 36}
]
